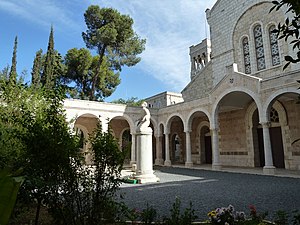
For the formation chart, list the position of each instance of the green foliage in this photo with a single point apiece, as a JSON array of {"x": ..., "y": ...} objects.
[
  {"x": 36, "y": 137},
  {"x": 82, "y": 69},
  {"x": 133, "y": 101},
  {"x": 290, "y": 28},
  {"x": 107, "y": 161},
  {"x": 4, "y": 75},
  {"x": 53, "y": 67},
  {"x": 48, "y": 76},
  {"x": 148, "y": 215},
  {"x": 13, "y": 69},
  {"x": 37, "y": 69},
  {"x": 88, "y": 196},
  {"x": 111, "y": 35},
  {"x": 9, "y": 187},
  {"x": 178, "y": 218},
  {"x": 281, "y": 218}
]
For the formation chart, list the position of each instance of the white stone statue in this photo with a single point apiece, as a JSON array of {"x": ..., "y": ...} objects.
[{"x": 144, "y": 121}]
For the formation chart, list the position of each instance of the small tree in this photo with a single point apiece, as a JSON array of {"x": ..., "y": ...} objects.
[
  {"x": 107, "y": 161},
  {"x": 13, "y": 68},
  {"x": 111, "y": 35},
  {"x": 133, "y": 101},
  {"x": 37, "y": 69}
]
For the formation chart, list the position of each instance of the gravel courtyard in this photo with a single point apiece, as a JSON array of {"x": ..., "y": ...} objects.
[{"x": 210, "y": 189}]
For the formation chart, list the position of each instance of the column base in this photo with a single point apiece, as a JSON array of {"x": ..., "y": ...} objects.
[
  {"x": 147, "y": 178},
  {"x": 216, "y": 167},
  {"x": 159, "y": 162},
  {"x": 167, "y": 163},
  {"x": 269, "y": 170},
  {"x": 133, "y": 166},
  {"x": 188, "y": 164}
]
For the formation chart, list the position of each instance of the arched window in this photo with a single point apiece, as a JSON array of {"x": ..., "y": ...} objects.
[
  {"x": 259, "y": 47},
  {"x": 274, "y": 46},
  {"x": 246, "y": 55}
]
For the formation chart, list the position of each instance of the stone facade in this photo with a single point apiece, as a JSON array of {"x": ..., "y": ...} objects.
[{"x": 239, "y": 109}]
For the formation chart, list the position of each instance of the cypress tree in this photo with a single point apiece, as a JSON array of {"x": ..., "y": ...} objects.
[
  {"x": 36, "y": 69},
  {"x": 13, "y": 68},
  {"x": 47, "y": 79}
]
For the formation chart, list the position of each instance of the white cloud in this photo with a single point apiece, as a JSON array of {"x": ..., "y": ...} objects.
[
  {"x": 170, "y": 28},
  {"x": 41, "y": 12}
]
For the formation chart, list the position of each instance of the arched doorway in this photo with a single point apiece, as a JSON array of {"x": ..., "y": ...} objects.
[
  {"x": 176, "y": 139},
  {"x": 162, "y": 141},
  {"x": 126, "y": 145},
  {"x": 85, "y": 125},
  {"x": 176, "y": 153},
  {"x": 198, "y": 125},
  {"x": 275, "y": 138},
  {"x": 230, "y": 130},
  {"x": 205, "y": 142}
]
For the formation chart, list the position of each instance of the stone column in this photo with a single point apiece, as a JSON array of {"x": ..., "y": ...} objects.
[
  {"x": 188, "y": 162},
  {"x": 133, "y": 156},
  {"x": 159, "y": 160},
  {"x": 104, "y": 124},
  {"x": 167, "y": 161},
  {"x": 269, "y": 167},
  {"x": 216, "y": 165},
  {"x": 144, "y": 170}
]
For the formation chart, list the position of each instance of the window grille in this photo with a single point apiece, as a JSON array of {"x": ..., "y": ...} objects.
[
  {"x": 259, "y": 46},
  {"x": 274, "y": 46},
  {"x": 246, "y": 55}
]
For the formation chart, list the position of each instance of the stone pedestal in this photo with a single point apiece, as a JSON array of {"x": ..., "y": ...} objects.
[
  {"x": 144, "y": 170},
  {"x": 269, "y": 170}
]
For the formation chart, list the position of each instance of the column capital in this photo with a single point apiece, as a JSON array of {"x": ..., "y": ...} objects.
[
  {"x": 265, "y": 124},
  {"x": 187, "y": 131},
  {"x": 214, "y": 128},
  {"x": 157, "y": 135}
]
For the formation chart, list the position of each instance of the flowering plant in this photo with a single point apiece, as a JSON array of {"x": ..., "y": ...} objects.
[
  {"x": 224, "y": 215},
  {"x": 227, "y": 216}
]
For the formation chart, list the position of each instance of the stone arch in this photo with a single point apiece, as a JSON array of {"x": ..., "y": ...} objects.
[
  {"x": 127, "y": 118},
  {"x": 190, "y": 117},
  {"x": 125, "y": 140},
  {"x": 196, "y": 117},
  {"x": 272, "y": 98},
  {"x": 245, "y": 19},
  {"x": 175, "y": 125},
  {"x": 215, "y": 107},
  {"x": 169, "y": 120},
  {"x": 230, "y": 107},
  {"x": 284, "y": 128},
  {"x": 87, "y": 123}
]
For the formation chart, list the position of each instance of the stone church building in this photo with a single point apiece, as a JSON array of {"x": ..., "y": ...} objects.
[{"x": 239, "y": 108}]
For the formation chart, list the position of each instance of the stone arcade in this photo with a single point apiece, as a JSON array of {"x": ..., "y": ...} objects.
[{"x": 239, "y": 108}]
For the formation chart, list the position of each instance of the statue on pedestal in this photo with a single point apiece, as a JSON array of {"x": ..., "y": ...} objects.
[{"x": 144, "y": 121}]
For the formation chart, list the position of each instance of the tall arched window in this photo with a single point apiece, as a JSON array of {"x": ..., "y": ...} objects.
[
  {"x": 246, "y": 55},
  {"x": 274, "y": 46},
  {"x": 259, "y": 46}
]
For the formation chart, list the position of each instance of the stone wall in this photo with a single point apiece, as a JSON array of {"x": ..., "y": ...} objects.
[{"x": 200, "y": 85}]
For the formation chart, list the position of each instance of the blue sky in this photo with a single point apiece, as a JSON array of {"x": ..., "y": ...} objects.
[{"x": 170, "y": 27}]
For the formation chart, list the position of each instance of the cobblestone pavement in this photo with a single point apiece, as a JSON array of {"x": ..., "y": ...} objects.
[{"x": 210, "y": 189}]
